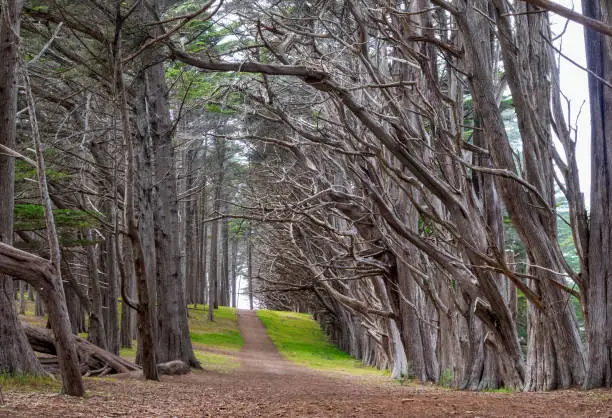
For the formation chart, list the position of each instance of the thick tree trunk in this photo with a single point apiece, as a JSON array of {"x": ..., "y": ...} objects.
[
  {"x": 138, "y": 180},
  {"x": 16, "y": 356},
  {"x": 174, "y": 342},
  {"x": 598, "y": 283},
  {"x": 535, "y": 227},
  {"x": 155, "y": 129}
]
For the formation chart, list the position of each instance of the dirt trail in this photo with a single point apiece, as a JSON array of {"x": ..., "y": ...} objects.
[
  {"x": 259, "y": 354},
  {"x": 269, "y": 386}
]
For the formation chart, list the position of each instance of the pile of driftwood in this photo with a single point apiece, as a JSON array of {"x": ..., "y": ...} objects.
[{"x": 94, "y": 360}]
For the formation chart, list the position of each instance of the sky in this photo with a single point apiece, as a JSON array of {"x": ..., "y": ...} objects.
[{"x": 574, "y": 86}]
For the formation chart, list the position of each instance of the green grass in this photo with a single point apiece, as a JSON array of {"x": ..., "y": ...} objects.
[
  {"x": 499, "y": 390},
  {"x": 129, "y": 353},
  {"x": 300, "y": 339},
  {"x": 28, "y": 382},
  {"x": 217, "y": 362},
  {"x": 222, "y": 334}
]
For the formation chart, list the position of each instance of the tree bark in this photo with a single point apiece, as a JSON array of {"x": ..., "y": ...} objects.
[
  {"x": 97, "y": 331},
  {"x": 225, "y": 268},
  {"x": 250, "y": 264},
  {"x": 234, "y": 270},
  {"x": 137, "y": 152},
  {"x": 598, "y": 282},
  {"x": 16, "y": 356},
  {"x": 155, "y": 127}
]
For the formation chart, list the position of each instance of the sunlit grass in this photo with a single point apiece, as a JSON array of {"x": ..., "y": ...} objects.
[
  {"x": 215, "y": 361},
  {"x": 499, "y": 390},
  {"x": 129, "y": 353},
  {"x": 28, "y": 382},
  {"x": 222, "y": 333},
  {"x": 300, "y": 339}
]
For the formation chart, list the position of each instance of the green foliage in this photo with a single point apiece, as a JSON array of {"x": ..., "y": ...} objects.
[
  {"x": 238, "y": 227},
  {"x": 425, "y": 228},
  {"x": 29, "y": 217},
  {"x": 39, "y": 8},
  {"x": 192, "y": 85},
  {"x": 24, "y": 171},
  {"x": 447, "y": 378},
  {"x": 300, "y": 339}
]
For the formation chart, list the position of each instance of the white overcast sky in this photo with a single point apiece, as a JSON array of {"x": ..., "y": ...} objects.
[{"x": 574, "y": 86}]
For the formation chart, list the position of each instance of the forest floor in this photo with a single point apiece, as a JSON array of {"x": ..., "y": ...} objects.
[{"x": 268, "y": 385}]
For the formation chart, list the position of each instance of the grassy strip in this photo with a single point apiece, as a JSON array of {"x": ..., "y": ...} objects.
[
  {"x": 28, "y": 382},
  {"x": 300, "y": 339},
  {"x": 222, "y": 333}
]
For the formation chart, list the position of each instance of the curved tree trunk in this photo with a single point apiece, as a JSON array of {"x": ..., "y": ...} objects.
[{"x": 535, "y": 227}]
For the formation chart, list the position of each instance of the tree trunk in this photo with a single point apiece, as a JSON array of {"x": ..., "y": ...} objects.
[
  {"x": 112, "y": 326},
  {"x": 598, "y": 283},
  {"x": 234, "y": 270},
  {"x": 16, "y": 356},
  {"x": 97, "y": 332},
  {"x": 22, "y": 298},
  {"x": 155, "y": 127},
  {"x": 212, "y": 273},
  {"x": 138, "y": 161},
  {"x": 53, "y": 291},
  {"x": 225, "y": 270},
  {"x": 250, "y": 264},
  {"x": 126, "y": 273}
]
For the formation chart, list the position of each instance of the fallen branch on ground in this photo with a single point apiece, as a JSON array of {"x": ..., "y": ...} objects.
[{"x": 94, "y": 361}]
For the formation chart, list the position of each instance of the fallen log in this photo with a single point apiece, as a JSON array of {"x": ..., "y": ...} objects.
[{"x": 94, "y": 360}]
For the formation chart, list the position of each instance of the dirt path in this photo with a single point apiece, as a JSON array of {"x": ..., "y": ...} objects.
[
  {"x": 269, "y": 386},
  {"x": 259, "y": 355}
]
